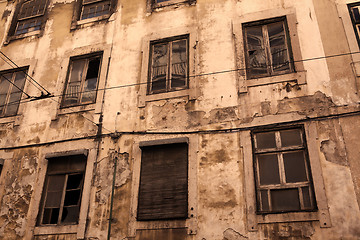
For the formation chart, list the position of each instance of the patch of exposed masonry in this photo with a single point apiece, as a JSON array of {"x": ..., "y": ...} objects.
[{"x": 231, "y": 234}]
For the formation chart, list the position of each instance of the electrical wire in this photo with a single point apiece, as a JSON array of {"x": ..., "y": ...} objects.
[{"x": 15, "y": 86}]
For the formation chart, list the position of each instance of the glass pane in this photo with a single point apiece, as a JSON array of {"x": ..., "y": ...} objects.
[
  {"x": 90, "y": 85},
  {"x": 291, "y": 137},
  {"x": 4, "y": 89},
  {"x": 265, "y": 140},
  {"x": 72, "y": 197},
  {"x": 268, "y": 169},
  {"x": 70, "y": 214},
  {"x": 73, "y": 88},
  {"x": 256, "y": 49},
  {"x": 50, "y": 216},
  {"x": 356, "y": 14},
  {"x": 285, "y": 200},
  {"x": 280, "y": 59},
  {"x": 74, "y": 181},
  {"x": 179, "y": 64},
  {"x": 159, "y": 67},
  {"x": 306, "y": 196},
  {"x": 95, "y": 9},
  {"x": 264, "y": 200},
  {"x": 16, "y": 93},
  {"x": 56, "y": 183},
  {"x": 53, "y": 199},
  {"x": 294, "y": 164}
]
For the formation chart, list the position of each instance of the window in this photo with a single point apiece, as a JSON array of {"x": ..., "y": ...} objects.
[
  {"x": 30, "y": 16},
  {"x": 61, "y": 197},
  {"x": 267, "y": 47},
  {"x": 282, "y": 172},
  {"x": 168, "y": 66},
  {"x": 82, "y": 80},
  {"x": 95, "y": 8},
  {"x": 355, "y": 18},
  {"x": 162, "y": 3},
  {"x": 11, "y": 88},
  {"x": 163, "y": 190}
]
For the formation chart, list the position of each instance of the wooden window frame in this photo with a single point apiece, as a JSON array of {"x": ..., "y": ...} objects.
[
  {"x": 356, "y": 24},
  {"x": 11, "y": 86},
  {"x": 87, "y": 58},
  {"x": 264, "y": 26},
  {"x": 168, "y": 42},
  {"x": 279, "y": 150}
]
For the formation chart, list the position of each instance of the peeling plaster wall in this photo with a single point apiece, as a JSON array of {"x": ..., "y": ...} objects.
[{"x": 222, "y": 209}]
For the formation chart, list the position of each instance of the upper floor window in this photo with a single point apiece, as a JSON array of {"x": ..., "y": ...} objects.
[
  {"x": 95, "y": 8},
  {"x": 282, "y": 172},
  {"x": 30, "y": 16},
  {"x": 355, "y": 18},
  {"x": 168, "y": 66},
  {"x": 61, "y": 197},
  {"x": 268, "y": 48},
  {"x": 11, "y": 88},
  {"x": 82, "y": 82}
]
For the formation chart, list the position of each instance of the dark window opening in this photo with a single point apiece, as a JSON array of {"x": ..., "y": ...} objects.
[
  {"x": 61, "y": 198},
  {"x": 354, "y": 10},
  {"x": 11, "y": 88},
  {"x": 163, "y": 190},
  {"x": 30, "y": 16},
  {"x": 282, "y": 171},
  {"x": 83, "y": 77},
  {"x": 168, "y": 67},
  {"x": 267, "y": 48}
]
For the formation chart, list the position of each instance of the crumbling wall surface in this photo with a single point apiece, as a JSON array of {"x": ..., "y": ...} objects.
[
  {"x": 18, "y": 188},
  {"x": 56, "y": 237}
]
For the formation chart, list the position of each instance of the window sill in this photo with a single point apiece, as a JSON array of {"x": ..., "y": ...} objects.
[
  {"x": 50, "y": 230},
  {"x": 287, "y": 217},
  {"x": 74, "y": 109},
  {"x": 81, "y": 23},
  {"x": 163, "y": 96},
  {"x": 300, "y": 77},
  {"x": 24, "y": 35}
]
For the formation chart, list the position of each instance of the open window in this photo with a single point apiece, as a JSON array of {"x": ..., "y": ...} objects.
[
  {"x": 12, "y": 83},
  {"x": 61, "y": 197},
  {"x": 82, "y": 80}
]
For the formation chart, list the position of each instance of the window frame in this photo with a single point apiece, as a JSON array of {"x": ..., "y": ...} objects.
[
  {"x": 243, "y": 80},
  {"x": 191, "y": 91},
  {"x": 353, "y": 21},
  {"x": 13, "y": 71},
  {"x": 87, "y": 58},
  {"x": 169, "y": 42},
  {"x": 253, "y": 218},
  {"x": 279, "y": 150},
  {"x": 13, "y": 27},
  {"x": 190, "y": 223}
]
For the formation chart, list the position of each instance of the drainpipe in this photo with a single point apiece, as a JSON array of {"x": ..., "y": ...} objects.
[{"x": 112, "y": 194}]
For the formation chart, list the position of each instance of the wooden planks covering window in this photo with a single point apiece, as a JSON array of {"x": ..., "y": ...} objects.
[{"x": 163, "y": 190}]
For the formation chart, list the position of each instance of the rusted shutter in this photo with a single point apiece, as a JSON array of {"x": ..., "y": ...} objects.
[{"x": 163, "y": 190}]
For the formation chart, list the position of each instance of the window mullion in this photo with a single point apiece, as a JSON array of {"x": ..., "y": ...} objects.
[
  {"x": 45, "y": 198},
  {"x": 83, "y": 78},
  {"x": 62, "y": 200},
  {"x": 301, "y": 197},
  {"x": 280, "y": 158},
  {"x": 169, "y": 73},
  {"x": 267, "y": 49}
]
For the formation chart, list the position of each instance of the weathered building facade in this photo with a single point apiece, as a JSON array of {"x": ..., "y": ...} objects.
[{"x": 180, "y": 119}]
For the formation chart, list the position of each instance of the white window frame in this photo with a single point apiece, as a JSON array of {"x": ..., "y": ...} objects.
[
  {"x": 322, "y": 214},
  {"x": 191, "y": 90},
  {"x": 191, "y": 222},
  {"x": 298, "y": 76}
]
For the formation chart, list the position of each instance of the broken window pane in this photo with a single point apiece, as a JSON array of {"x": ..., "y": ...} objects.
[
  {"x": 268, "y": 169},
  {"x": 82, "y": 81},
  {"x": 265, "y": 140},
  {"x": 285, "y": 200},
  {"x": 169, "y": 66},
  {"x": 51, "y": 216},
  {"x": 70, "y": 214},
  {"x": 294, "y": 164},
  {"x": 267, "y": 49}
]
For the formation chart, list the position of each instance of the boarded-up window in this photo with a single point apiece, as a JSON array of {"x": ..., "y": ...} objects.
[
  {"x": 62, "y": 191},
  {"x": 168, "y": 67},
  {"x": 31, "y": 16},
  {"x": 11, "y": 89},
  {"x": 82, "y": 81},
  {"x": 283, "y": 177},
  {"x": 95, "y": 8},
  {"x": 267, "y": 47},
  {"x": 163, "y": 190}
]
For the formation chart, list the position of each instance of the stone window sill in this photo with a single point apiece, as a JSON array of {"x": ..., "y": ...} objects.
[
  {"x": 288, "y": 217},
  {"x": 74, "y": 109},
  {"x": 50, "y": 230},
  {"x": 81, "y": 23},
  {"x": 25, "y": 35},
  {"x": 162, "y": 96}
]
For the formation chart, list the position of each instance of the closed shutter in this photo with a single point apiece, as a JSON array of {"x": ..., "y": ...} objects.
[{"x": 163, "y": 191}]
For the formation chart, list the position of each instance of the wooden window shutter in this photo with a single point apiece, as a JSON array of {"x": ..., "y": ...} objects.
[{"x": 163, "y": 190}]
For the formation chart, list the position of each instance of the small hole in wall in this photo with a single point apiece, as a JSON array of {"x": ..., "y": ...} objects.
[
  {"x": 324, "y": 224},
  {"x": 192, "y": 208},
  {"x": 192, "y": 215}
]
